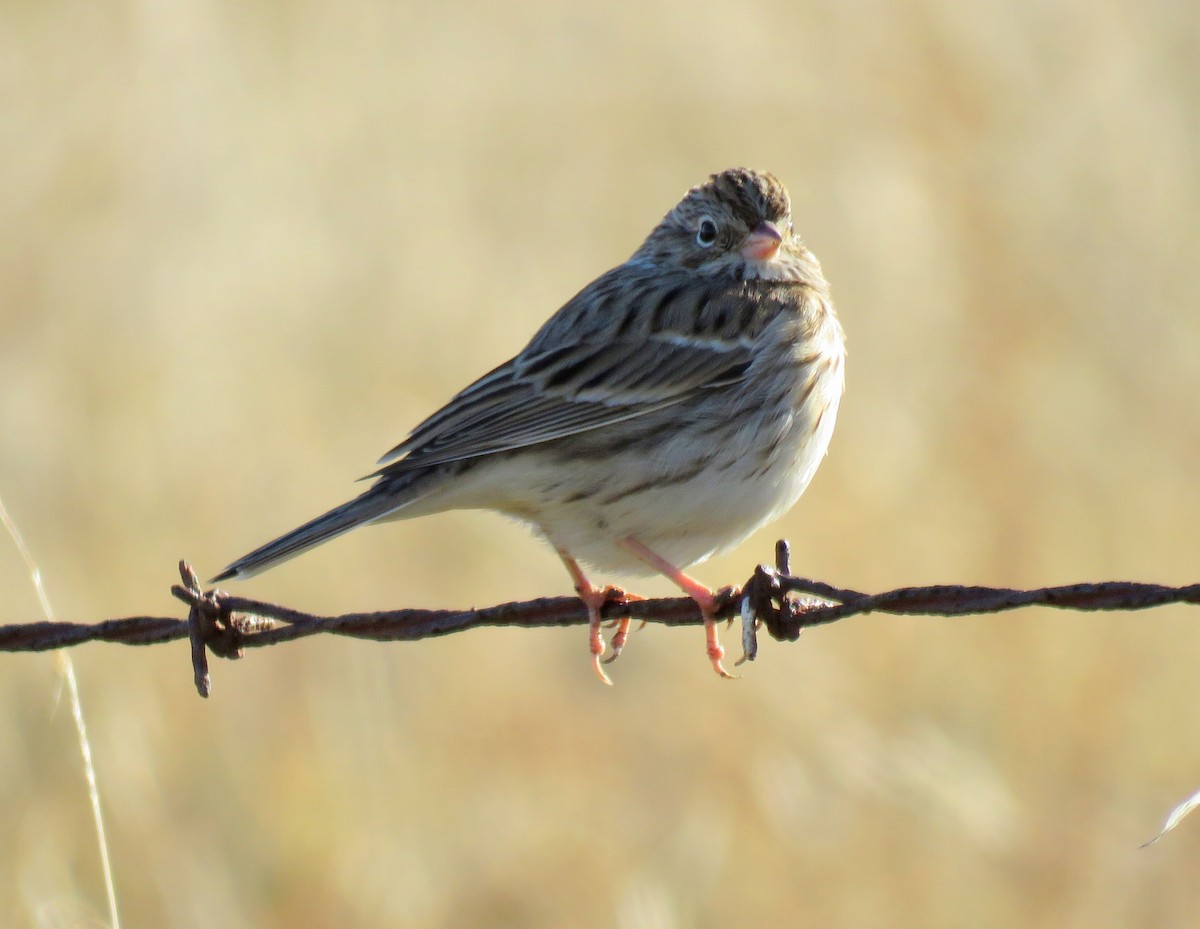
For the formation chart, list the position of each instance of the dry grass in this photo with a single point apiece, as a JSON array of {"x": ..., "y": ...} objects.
[{"x": 244, "y": 247}]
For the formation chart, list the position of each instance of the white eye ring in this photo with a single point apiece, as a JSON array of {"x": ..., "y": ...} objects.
[{"x": 706, "y": 232}]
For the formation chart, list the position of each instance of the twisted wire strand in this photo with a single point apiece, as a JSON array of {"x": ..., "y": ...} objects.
[{"x": 772, "y": 598}]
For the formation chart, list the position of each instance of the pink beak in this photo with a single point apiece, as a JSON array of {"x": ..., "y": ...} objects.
[{"x": 762, "y": 243}]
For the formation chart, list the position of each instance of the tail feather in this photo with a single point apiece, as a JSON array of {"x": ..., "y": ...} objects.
[{"x": 359, "y": 511}]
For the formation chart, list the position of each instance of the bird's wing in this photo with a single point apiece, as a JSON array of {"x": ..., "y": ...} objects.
[{"x": 549, "y": 393}]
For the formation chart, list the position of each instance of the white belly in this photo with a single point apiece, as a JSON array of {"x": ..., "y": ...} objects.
[{"x": 587, "y": 507}]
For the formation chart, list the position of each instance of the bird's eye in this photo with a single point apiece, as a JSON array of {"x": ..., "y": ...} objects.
[{"x": 706, "y": 232}]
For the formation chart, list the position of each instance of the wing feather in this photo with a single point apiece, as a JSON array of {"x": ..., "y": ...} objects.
[{"x": 578, "y": 374}]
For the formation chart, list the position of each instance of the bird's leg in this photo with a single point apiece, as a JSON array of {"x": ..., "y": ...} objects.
[
  {"x": 705, "y": 598},
  {"x": 594, "y": 599}
]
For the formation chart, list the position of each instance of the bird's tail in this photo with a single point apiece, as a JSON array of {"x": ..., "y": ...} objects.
[{"x": 364, "y": 509}]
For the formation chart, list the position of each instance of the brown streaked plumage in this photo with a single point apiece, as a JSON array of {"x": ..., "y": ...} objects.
[{"x": 670, "y": 408}]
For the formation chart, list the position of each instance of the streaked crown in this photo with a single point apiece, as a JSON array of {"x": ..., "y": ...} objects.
[{"x": 751, "y": 196}]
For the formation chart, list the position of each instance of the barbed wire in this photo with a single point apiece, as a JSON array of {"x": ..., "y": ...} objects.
[{"x": 772, "y": 598}]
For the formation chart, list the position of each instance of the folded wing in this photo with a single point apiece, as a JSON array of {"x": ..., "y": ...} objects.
[{"x": 541, "y": 396}]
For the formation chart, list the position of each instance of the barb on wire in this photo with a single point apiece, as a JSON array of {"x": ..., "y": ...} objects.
[{"x": 772, "y": 598}]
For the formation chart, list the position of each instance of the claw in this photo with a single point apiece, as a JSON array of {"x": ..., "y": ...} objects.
[
  {"x": 618, "y": 639},
  {"x": 594, "y": 601},
  {"x": 716, "y": 651},
  {"x": 604, "y": 678}
]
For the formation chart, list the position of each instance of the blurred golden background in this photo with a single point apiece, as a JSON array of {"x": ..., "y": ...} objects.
[{"x": 244, "y": 247}]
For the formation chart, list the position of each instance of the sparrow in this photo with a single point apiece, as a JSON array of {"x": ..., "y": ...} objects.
[{"x": 669, "y": 409}]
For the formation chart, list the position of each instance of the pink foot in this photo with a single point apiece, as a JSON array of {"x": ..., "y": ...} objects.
[
  {"x": 594, "y": 598},
  {"x": 705, "y": 599}
]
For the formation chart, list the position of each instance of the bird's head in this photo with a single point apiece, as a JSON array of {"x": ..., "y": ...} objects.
[{"x": 739, "y": 224}]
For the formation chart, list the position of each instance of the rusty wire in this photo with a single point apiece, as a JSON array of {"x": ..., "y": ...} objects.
[{"x": 773, "y": 598}]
